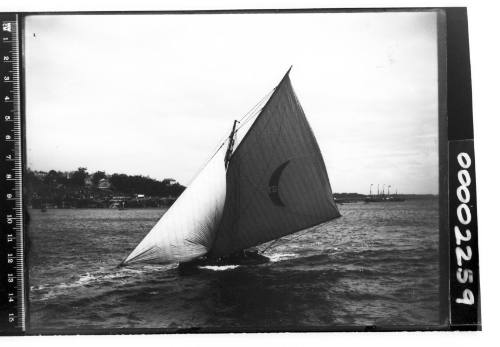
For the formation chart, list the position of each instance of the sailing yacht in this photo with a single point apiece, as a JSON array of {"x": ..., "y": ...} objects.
[{"x": 271, "y": 183}]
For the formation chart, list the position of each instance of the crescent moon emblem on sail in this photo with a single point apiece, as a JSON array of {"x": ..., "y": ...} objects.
[{"x": 274, "y": 193}]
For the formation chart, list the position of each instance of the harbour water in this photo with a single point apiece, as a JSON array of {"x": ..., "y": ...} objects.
[{"x": 375, "y": 265}]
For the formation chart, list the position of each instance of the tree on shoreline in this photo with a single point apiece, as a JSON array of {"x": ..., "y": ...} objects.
[
  {"x": 78, "y": 177},
  {"x": 97, "y": 176},
  {"x": 73, "y": 183}
]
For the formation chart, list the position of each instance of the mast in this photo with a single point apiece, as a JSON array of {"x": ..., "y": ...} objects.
[{"x": 229, "y": 150}]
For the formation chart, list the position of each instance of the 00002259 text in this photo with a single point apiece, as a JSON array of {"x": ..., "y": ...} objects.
[{"x": 464, "y": 217}]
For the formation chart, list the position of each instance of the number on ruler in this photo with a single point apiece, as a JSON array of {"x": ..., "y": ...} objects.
[{"x": 7, "y": 27}]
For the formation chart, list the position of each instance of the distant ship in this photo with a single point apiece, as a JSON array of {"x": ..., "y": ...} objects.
[
  {"x": 271, "y": 183},
  {"x": 383, "y": 197}
]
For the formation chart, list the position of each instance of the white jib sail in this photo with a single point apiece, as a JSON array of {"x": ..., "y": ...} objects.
[{"x": 186, "y": 230}]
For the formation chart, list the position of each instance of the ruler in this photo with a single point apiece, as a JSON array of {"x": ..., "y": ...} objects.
[{"x": 12, "y": 304}]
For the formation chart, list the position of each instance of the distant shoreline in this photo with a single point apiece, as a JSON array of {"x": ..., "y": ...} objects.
[
  {"x": 84, "y": 190},
  {"x": 340, "y": 198},
  {"x": 347, "y": 198}
]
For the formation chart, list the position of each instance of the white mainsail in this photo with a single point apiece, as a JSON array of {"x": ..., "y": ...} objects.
[
  {"x": 276, "y": 184},
  {"x": 187, "y": 229}
]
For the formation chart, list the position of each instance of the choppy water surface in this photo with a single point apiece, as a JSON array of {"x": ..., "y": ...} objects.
[{"x": 376, "y": 265}]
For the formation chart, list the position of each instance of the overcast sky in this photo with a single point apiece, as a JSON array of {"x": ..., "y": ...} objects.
[{"x": 154, "y": 95}]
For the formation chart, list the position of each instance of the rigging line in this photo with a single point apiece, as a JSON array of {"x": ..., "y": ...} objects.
[
  {"x": 254, "y": 114},
  {"x": 257, "y": 104},
  {"x": 255, "y": 109},
  {"x": 270, "y": 245},
  {"x": 226, "y": 137},
  {"x": 242, "y": 123},
  {"x": 245, "y": 119},
  {"x": 249, "y": 113},
  {"x": 285, "y": 240}
]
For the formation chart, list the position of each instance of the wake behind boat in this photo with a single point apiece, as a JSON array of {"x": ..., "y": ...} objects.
[{"x": 271, "y": 183}]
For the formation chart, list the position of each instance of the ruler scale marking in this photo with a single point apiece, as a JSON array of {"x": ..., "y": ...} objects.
[{"x": 12, "y": 310}]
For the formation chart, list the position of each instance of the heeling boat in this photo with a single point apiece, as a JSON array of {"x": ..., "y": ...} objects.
[{"x": 270, "y": 184}]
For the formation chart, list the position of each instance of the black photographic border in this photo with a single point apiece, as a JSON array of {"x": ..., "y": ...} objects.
[{"x": 455, "y": 131}]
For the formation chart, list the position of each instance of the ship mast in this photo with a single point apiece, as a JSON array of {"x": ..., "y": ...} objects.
[{"x": 230, "y": 145}]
